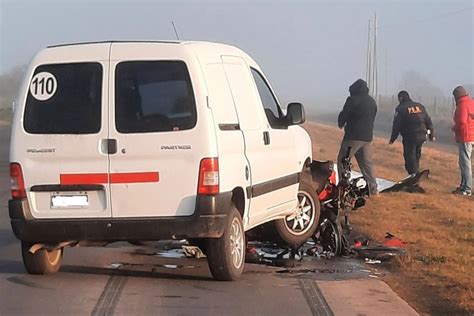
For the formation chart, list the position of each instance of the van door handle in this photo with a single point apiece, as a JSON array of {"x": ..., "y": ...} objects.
[
  {"x": 109, "y": 146},
  {"x": 266, "y": 138}
]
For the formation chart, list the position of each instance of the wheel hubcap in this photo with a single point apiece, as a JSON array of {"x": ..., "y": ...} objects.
[
  {"x": 303, "y": 217},
  {"x": 237, "y": 244}
]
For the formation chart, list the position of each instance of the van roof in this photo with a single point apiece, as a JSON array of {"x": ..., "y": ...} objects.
[
  {"x": 117, "y": 41},
  {"x": 197, "y": 46}
]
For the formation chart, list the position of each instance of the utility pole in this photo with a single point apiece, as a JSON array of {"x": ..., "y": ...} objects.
[
  {"x": 368, "y": 68},
  {"x": 386, "y": 74},
  {"x": 372, "y": 71},
  {"x": 375, "y": 59}
]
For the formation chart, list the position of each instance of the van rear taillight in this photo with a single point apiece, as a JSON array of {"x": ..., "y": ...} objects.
[
  {"x": 208, "y": 176},
  {"x": 17, "y": 181}
]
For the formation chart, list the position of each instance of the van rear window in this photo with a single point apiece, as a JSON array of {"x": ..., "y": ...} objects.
[
  {"x": 153, "y": 96},
  {"x": 64, "y": 99}
]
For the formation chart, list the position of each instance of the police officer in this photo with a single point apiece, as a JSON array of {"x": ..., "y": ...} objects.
[{"x": 413, "y": 123}]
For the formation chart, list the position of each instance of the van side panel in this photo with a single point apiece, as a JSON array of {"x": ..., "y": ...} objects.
[
  {"x": 233, "y": 166},
  {"x": 274, "y": 180}
]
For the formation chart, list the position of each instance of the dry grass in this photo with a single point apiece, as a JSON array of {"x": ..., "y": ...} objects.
[{"x": 438, "y": 276}]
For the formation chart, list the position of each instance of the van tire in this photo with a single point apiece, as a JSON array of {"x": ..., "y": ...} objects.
[
  {"x": 296, "y": 237},
  {"x": 42, "y": 261},
  {"x": 226, "y": 255}
]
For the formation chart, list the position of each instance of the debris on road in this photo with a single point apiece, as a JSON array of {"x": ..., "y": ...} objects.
[
  {"x": 173, "y": 253},
  {"x": 371, "y": 261},
  {"x": 329, "y": 270},
  {"x": 410, "y": 184},
  {"x": 272, "y": 255},
  {"x": 392, "y": 241},
  {"x": 378, "y": 252},
  {"x": 193, "y": 252},
  {"x": 116, "y": 265}
]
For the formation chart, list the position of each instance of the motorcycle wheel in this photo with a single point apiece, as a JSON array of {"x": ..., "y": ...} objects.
[{"x": 331, "y": 237}]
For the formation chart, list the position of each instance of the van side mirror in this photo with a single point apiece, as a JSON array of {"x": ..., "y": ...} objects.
[{"x": 295, "y": 114}]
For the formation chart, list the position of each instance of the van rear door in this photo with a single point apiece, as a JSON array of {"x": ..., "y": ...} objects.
[
  {"x": 154, "y": 124},
  {"x": 60, "y": 138}
]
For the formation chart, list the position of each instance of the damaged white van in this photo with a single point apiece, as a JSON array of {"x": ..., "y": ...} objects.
[{"x": 142, "y": 141}]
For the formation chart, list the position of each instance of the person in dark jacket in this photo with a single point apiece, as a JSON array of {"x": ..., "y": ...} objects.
[
  {"x": 357, "y": 117},
  {"x": 413, "y": 123}
]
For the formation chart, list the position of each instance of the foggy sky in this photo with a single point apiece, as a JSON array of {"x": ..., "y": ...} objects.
[{"x": 310, "y": 50}]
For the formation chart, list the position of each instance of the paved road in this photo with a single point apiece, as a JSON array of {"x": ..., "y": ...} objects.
[{"x": 123, "y": 279}]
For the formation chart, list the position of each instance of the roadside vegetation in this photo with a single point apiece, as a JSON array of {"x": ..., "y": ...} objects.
[
  {"x": 9, "y": 84},
  {"x": 437, "y": 275},
  {"x": 5, "y": 115}
]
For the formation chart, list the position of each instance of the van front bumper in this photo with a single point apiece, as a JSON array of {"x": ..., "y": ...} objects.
[{"x": 208, "y": 221}]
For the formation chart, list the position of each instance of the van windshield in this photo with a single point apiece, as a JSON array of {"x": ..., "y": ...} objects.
[
  {"x": 64, "y": 99},
  {"x": 153, "y": 96}
]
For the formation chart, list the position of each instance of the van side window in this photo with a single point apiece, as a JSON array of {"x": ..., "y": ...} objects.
[
  {"x": 270, "y": 105},
  {"x": 153, "y": 96},
  {"x": 66, "y": 101}
]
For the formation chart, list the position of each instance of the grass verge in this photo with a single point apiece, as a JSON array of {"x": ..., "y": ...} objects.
[{"x": 437, "y": 277}]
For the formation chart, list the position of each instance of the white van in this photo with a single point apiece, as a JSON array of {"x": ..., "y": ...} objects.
[{"x": 137, "y": 141}]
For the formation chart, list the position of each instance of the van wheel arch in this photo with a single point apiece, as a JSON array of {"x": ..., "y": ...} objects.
[
  {"x": 306, "y": 175},
  {"x": 238, "y": 200}
]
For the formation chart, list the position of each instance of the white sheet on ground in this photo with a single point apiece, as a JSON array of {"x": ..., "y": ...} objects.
[{"x": 381, "y": 183}]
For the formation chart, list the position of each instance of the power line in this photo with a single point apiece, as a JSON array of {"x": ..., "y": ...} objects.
[{"x": 429, "y": 18}]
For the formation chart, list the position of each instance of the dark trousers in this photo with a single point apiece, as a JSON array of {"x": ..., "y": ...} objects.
[
  {"x": 363, "y": 154},
  {"x": 412, "y": 155}
]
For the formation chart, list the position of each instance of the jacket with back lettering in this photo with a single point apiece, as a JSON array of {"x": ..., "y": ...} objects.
[
  {"x": 464, "y": 120},
  {"x": 411, "y": 121}
]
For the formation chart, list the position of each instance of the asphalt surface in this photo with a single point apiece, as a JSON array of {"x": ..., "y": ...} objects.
[{"x": 123, "y": 279}]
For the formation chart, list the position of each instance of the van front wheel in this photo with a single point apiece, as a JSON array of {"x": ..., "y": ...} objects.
[
  {"x": 43, "y": 261},
  {"x": 298, "y": 227},
  {"x": 226, "y": 255}
]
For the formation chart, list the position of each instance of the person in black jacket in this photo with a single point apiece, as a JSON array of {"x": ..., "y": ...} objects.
[
  {"x": 413, "y": 123},
  {"x": 357, "y": 117}
]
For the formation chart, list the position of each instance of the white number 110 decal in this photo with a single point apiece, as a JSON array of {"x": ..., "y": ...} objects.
[{"x": 43, "y": 86}]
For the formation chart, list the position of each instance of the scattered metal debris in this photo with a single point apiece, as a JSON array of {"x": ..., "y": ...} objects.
[
  {"x": 173, "y": 253},
  {"x": 272, "y": 255},
  {"x": 329, "y": 270},
  {"x": 371, "y": 261},
  {"x": 378, "y": 253},
  {"x": 119, "y": 265},
  {"x": 116, "y": 265},
  {"x": 193, "y": 252}
]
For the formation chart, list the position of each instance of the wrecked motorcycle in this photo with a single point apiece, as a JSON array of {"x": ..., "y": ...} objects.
[{"x": 337, "y": 197}]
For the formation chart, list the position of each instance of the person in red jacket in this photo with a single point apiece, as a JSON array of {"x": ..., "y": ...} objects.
[{"x": 464, "y": 132}]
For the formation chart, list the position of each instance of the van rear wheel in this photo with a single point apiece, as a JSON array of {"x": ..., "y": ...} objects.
[
  {"x": 226, "y": 255},
  {"x": 43, "y": 261}
]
